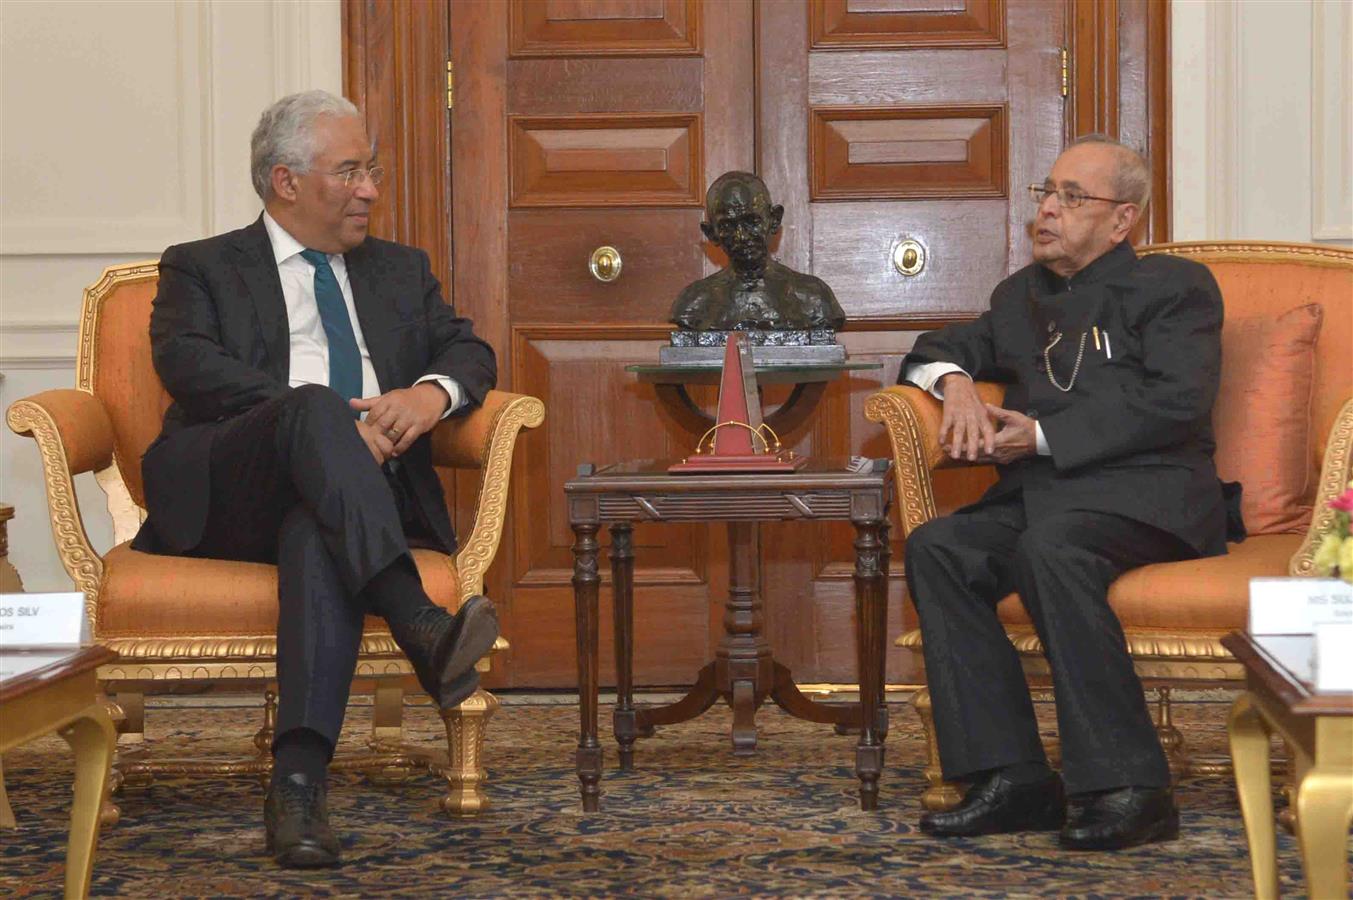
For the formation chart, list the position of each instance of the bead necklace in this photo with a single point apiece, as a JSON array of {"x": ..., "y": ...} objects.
[{"x": 1075, "y": 370}]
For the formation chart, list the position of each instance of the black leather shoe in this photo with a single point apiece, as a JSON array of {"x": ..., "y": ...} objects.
[
  {"x": 443, "y": 648},
  {"x": 1122, "y": 818},
  {"x": 998, "y": 805},
  {"x": 296, "y": 818}
]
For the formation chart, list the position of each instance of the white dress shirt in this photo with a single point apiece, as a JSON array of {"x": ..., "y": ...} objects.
[
  {"x": 309, "y": 343},
  {"x": 926, "y": 376}
]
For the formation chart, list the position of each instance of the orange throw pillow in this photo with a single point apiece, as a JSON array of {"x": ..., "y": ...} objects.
[{"x": 1262, "y": 418}]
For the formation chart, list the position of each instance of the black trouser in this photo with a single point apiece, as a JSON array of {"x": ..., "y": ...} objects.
[
  {"x": 293, "y": 483},
  {"x": 959, "y": 566}
]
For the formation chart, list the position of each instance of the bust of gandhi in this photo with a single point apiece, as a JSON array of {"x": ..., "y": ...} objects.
[{"x": 754, "y": 291}]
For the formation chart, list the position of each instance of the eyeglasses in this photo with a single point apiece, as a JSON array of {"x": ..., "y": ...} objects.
[
  {"x": 349, "y": 176},
  {"x": 1069, "y": 198}
]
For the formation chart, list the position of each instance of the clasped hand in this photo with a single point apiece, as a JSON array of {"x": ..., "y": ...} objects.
[
  {"x": 980, "y": 432},
  {"x": 394, "y": 420}
]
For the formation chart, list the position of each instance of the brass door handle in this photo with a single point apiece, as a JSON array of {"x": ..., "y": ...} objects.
[
  {"x": 909, "y": 256},
  {"x": 605, "y": 264}
]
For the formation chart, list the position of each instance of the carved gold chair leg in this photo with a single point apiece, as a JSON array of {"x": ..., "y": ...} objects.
[
  {"x": 1171, "y": 740},
  {"x": 394, "y": 763},
  {"x": 465, "y": 775},
  {"x": 939, "y": 794},
  {"x": 131, "y": 724},
  {"x": 263, "y": 738}
]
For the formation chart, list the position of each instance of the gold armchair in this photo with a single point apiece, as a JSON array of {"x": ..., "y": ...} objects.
[
  {"x": 175, "y": 620},
  {"x": 1175, "y": 614}
]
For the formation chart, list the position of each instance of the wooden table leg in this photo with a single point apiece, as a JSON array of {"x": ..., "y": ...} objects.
[
  {"x": 701, "y": 697},
  {"x": 1250, "y": 755},
  {"x": 743, "y": 664},
  {"x": 1325, "y": 808},
  {"x": 786, "y": 694},
  {"x": 92, "y": 737},
  {"x": 586, "y": 584},
  {"x": 871, "y": 607},
  {"x": 623, "y": 722}
]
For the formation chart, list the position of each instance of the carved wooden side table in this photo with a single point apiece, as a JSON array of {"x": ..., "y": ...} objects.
[
  {"x": 1318, "y": 726},
  {"x": 743, "y": 672},
  {"x": 42, "y": 692}
]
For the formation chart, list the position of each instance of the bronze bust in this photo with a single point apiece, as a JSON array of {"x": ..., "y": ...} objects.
[{"x": 754, "y": 293}]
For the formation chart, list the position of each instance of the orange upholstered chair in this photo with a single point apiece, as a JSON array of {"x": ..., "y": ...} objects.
[
  {"x": 175, "y": 620},
  {"x": 1284, "y": 422}
]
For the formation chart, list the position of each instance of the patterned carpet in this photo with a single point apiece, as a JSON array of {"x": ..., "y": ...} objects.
[{"x": 691, "y": 821}]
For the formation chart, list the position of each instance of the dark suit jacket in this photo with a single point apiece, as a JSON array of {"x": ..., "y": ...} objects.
[
  {"x": 1134, "y": 435},
  {"x": 220, "y": 343}
]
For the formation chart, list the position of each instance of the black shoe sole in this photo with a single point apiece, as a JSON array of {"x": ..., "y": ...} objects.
[
  {"x": 459, "y": 690},
  {"x": 1166, "y": 829},
  {"x": 478, "y": 632},
  {"x": 1052, "y": 824}
]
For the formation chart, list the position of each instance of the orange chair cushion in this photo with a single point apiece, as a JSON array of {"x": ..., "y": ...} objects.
[
  {"x": 146, "y": 595},
  {"x": 1211, "y": 594},
  {"x": 1262, "y": 417}
]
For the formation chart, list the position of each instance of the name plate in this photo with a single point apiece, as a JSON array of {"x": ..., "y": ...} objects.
[
  {"x": 1298, "y": 605},
  {"x": 42, "y": 620},
  {"x": 1333, "y": 661}
]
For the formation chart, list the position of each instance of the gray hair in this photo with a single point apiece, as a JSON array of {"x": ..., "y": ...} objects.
[
  {"x": 1132, "y": 175},
  {"x": 285, "y": 135}
]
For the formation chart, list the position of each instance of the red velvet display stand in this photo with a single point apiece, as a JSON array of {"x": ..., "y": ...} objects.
[{"x": 738, "y": 428}]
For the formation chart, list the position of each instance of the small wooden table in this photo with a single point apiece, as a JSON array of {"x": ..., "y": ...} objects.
[
  {"x": 42, "y": 691},
  {"x": 743, "y": 671},
  {"x": 1319, "y": 729}
]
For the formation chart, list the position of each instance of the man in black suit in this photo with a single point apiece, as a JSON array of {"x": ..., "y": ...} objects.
[
  {"x": 1104, "y": 450},
  {"x": 307, "y": 363}
]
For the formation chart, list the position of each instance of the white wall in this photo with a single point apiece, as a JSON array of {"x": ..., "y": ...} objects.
[
  {"x": 1262, "y": 147},
  {"x": 124, "y": 127}
]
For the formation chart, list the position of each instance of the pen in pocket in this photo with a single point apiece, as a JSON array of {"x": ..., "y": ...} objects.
[{"x": 1108, "y": 348}]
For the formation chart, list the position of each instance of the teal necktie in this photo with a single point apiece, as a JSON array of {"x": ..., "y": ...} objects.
[{"x": 345, "y": 360}]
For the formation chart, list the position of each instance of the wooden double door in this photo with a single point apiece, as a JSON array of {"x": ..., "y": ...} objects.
[{"x": 582, "y": 124}]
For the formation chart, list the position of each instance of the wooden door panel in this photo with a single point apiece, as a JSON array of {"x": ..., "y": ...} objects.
[
  {"x": 907, "y": 153},
  {"x": 909, "y": 136},
  {"x": 561, "y": 86},
  {"x": 615, "y": 115},
  {"x": 965, "y": 247},
  {"x": 593, "y": 160},
  {"x": 548, "y": 252},
  {"x": 907, "y": 23},
  {"x": 672, "y": 631},
  {"x": 921, "y": 77},
  {"x": 601, "y": 27},
  {"x": 582, "y": 369}
]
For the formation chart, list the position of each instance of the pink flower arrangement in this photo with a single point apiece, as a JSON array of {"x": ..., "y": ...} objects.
[{"x": 1334, "y": 557}]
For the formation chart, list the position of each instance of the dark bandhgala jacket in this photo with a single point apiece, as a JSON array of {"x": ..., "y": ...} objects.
[
  {"x": 1133, "y": 436},
  {"x": 220, "y": 343}
]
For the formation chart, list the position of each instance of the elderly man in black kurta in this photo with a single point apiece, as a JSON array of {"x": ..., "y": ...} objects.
[{"x": 1104, "y": 450}]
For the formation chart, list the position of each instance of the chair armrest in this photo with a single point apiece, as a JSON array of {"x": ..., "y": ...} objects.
[
  {"x": 484, "y": 440},
  {"x": 1335, "y": 474},
  {"x": 912, "y": 419},
  {"x": 74, "y": 435}
]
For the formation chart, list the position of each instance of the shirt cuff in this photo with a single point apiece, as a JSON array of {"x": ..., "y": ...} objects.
[
  {"x": 926, "y": 376},
  {"x": 1041, "y": 442},
  {"x": 453, "y": 391}
]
